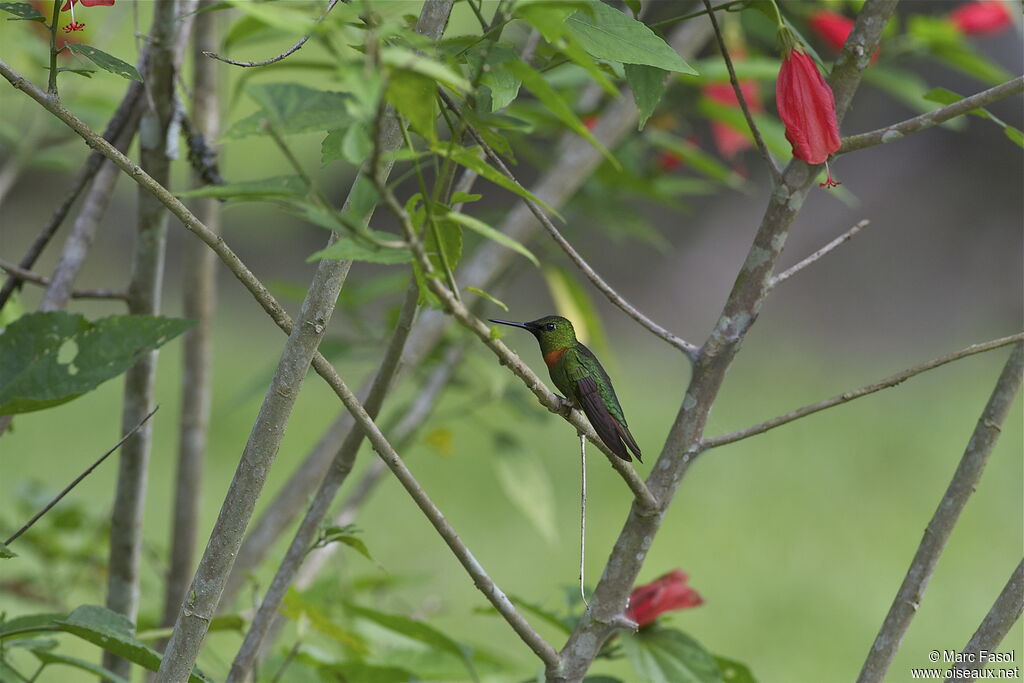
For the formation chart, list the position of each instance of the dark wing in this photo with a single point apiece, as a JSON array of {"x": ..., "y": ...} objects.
[{"x": 605, "y": 424}]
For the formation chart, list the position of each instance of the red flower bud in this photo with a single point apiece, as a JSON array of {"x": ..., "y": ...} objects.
[
  {"x": 728, "y": 140},
  {"x": 665, "y": 593},
  {"x": 87, "y": 3},
  {"x": 807, "y": 108},
  {"x": 981, "y": 17},
  {"x": 833, "y": 29}
]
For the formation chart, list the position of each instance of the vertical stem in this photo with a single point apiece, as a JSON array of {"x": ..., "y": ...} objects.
[
  {"x": 200, "y": 291},
  {"x": 939, "y": 528},
  {"x": 143, "y": 299},
  {"x": 51, "y": 86}
]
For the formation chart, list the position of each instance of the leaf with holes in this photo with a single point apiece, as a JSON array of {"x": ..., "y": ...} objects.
[
  {"x": 105, "y": 61},
  {"x": 51, "y": 358},
  {"x": 22, "y": 11}
]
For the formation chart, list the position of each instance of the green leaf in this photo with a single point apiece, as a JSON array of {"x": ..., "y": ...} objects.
[
  {"x": 106, "y": 62},
  {"x": 6, "y": 553},
  {"x": 468, "y": 157},
  {"x": 351, "y": 144},
  {"x": 366, "y": 673},
  {"x": 416, "y": 630},
  {"x": 908, "y": 88},
  {"x": 293, "y": 108},
  {"x": 414, "y": 96},
  {"x": 665, "y": 655},
  {"x": 550, "y": 20},
  {"x": 648, "y": 85},
  {"x": 401, "y": 58},
  {"x": 284, "y": 186},
  {"x": 481, "y": 228},
  {"x": 28, "y": 624},
  {"x": 296, "y": 607},
  {"x": 51, "y": 358},
  {"x": 22, "y": 10},
  {"x": 607, "y": 33},
  {"x": 100, "y": 672},
  {"x": 448, "y": 238},
  {"x": 945, "y": 97},
  {"x": 344, "y": 535},
  {"x": 465, "y": 197},
  {"x": 503, "y": 84},
  {"x": 733, "y": 671},
  {"x": 479, "y": 292},
  {"x": 358, "y": 249},
  {"x": 278, "y": 15},
  {"x": 556, "y": 105},
  {"x": 528, "y": 487},
  {"x": 113, "y": 632}
]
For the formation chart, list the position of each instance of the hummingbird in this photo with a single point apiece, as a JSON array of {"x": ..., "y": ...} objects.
[{"x": 578, "y": 374}]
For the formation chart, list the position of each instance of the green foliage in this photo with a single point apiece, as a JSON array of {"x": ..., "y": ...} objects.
[
  {"x": 22, "y": 11},
  {"x": 648, "y": 85},
  {"x": 279, "y": 187},
  {"x": 46, "y": 658},
  {"x": 481, "y": 228},
  {"x": 292, "y": 108},
  {"x": 6, "y": 553},
  {"x": 106, "y": 62},
  {"x": 51, "y": 358},
  {"x": 526, "y": 484},
  {"x": 346, "y": 535},
  {"x": 665, "y": 655},
  {"x": 359, "y": 249},
  {"x": 944, "y": 97}
]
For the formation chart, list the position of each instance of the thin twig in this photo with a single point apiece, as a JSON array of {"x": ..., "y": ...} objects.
[
  {"x": 773, "y": 170},
  {"x": 845, "y": 237},
  {"x": 78, "y": 480},
  {"x": 846, "y": 396},
  {"x": 645, "y": 500},
  {"x": 689, "y": 349},
  {"x": 993, "y": 628},
  {"x": 961, "y": 486},
  {"x": 918, "y": 123},
  {"x": 277, "y": 58},
  {"x": 36, "y": 279}
]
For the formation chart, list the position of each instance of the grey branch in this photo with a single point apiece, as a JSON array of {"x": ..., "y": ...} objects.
[
  {"x": 997, "y": 623},
  {"x": 144, "y": 296},
  {"x": 199, "y": 295},
  {"x": 344, "y": 460},
  {"x": 921, "y": 122},
  {"x": 277, "y": 58},
  {"x": 845, "y": 237},
  {"x": 36, "y": 279},
  {"x": 941, "y": 525},
  {"x": 846, "y": 396},
  {"x": 689, "y": 349},
  {"x": 78, "y": 480}
]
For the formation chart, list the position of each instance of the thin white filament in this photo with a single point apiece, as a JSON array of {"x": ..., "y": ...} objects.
[{"x": 583, "y": 512}]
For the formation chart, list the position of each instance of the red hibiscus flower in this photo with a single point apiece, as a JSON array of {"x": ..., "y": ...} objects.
[
  {"x": 666, "y": 593},
  {"x": 981, "y": 17},
  {"x": 807, "y": 108}
]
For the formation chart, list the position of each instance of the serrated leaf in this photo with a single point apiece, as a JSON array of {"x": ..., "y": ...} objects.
[
  {"x": 665, "y": 655},
  {"x": 45, "y": 657},
  {"x": 293, "y": 108},
  {"x": 481, "y": 228},
  {"x": 648, "y": 85},
  {"x": 22, "y": 10},
  {"x": 105, "y": 61},
  {"x": 556, "y": 105},
  {"x": 479, "y": 292},
  {"x": 53, "y": 357},
  {"x": 401, "y": 58},
  {"x": 607, "y": 33},
  {"x": 733, "y": 671},
  {"x": 113, "y": 632},
  {"x": 468, "y": 157},
  {"x": 286, "y": 186},
  {"x": 528, "y": 487},
  {"x": 358, "y": 249},
  {"x": 6, "y": 553},
  {"x": 416, "y": 630}
]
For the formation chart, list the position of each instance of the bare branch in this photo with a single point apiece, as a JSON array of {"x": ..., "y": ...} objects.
[
  {"x": 277, "y": 58},
  {"x": 939, "y": 528},
  {"x": 549, "y": 400},
  {"x": 78, "y": 480},
  {"x": 846, "y": 396},
  {"x": 845, "y": 237},
  {"x": 689, "y": 349},
  {"x": 36, "y": 279},
  {"x": 773, "y": 170},
  {"x": 997, "y": 623},
  {"x": 921, "y": 122}
]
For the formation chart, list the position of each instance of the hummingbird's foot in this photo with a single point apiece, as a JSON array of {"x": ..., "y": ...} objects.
[{"x": 565, "y": 406}]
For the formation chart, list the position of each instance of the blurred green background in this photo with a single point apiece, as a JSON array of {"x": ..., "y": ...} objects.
[{"x": 797, "y": 539}]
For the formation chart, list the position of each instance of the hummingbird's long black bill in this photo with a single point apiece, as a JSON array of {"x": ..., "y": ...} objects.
[{"x": 513, "y": 324}]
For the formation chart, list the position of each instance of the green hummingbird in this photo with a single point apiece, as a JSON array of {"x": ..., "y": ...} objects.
[{"x": 578, "y": 374}]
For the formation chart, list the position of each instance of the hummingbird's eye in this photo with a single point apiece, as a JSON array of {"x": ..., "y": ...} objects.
[{"x": 549, "y": 327}]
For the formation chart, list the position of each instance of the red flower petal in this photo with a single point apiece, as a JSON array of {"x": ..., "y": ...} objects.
[
  {"x": 981, "y": 17},
  {"x": 833, "y": 28},
  {"x": 807, "y": 108},
  {"x": 668, "y": 592}
]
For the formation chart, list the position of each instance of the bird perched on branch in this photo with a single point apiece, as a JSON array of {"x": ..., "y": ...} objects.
[{"x": 578, "y": 374}]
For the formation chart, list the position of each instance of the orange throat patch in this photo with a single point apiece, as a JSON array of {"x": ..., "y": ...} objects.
[{"x": 551, "y": 358}]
